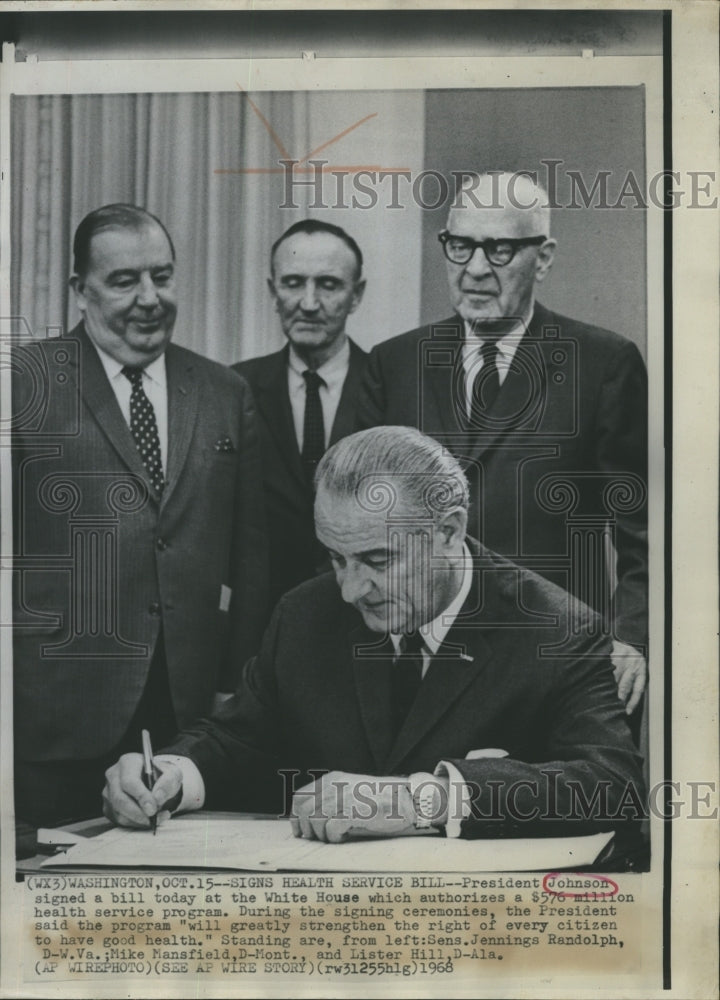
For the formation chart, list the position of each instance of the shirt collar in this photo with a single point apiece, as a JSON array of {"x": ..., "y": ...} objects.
[
  {"x": 155, "y": 371},
  {"x": 507, "y": 344},
  {"x": 435, "y": 631},
  {"x": 334, "y": 369}
]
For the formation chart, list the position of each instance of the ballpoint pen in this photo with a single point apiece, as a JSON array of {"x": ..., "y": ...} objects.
[{"x": 150, "y": 772}]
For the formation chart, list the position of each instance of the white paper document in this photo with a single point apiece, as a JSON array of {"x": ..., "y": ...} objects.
[{"x": 269, "y": 845}]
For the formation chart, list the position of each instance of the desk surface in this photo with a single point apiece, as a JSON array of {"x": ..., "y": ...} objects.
[
  {"x": 621, "y": 855},
  {"x": 93, "y": 827}
]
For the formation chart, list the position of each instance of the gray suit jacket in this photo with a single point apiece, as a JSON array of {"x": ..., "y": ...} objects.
[
  {"x": 102, "y": 566},
  {"x": 561, "y": 457},
  {"x": 294, "y": 552},
  {"x": 317, "y": 697}
]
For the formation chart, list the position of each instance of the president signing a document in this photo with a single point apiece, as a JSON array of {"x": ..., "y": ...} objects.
[{"x": 426, "y": 683}]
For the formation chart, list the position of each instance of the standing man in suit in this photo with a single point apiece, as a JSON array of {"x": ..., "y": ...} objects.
[
  {"x": 410, "y": 678},
  {"x": 305, "y": 393},
  {"x": 140, "y": 562},
  {"x": 547, "y": 415}
]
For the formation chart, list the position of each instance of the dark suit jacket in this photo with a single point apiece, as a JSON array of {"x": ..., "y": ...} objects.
[
  {"x": 101, "y": 566},
  {"x": 562, "y": 454},
  {"x": 294, "y": 552},
  {"x": 317, "y": 697}
]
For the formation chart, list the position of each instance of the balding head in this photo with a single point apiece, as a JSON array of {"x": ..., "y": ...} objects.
[
  {"x": 517, "y": 196},
  {"x": 497, "y": 207}
]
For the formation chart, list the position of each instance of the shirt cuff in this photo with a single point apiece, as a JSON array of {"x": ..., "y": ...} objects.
[
  {"x": 459, "y": 797},
  {"x": 193, "y": 786}
]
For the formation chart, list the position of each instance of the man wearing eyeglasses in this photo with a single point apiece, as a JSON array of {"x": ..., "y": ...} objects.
[{"x": 547, "y": 415}]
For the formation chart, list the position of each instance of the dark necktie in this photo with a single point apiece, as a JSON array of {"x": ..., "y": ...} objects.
[
  {"x": 313, "y": 425},
  {"x": 486, "y": 385},
  {"x": 143, "y": 427},
  {"x": 406, "y": 676}
]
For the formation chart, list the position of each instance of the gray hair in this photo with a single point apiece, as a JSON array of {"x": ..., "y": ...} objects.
[
  {"x": 518, "y": 189},
  {"x": 386, "y": 467}
]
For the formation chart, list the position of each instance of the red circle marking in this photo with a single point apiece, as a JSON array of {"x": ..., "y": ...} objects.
[{"x": 581, "y": 895}]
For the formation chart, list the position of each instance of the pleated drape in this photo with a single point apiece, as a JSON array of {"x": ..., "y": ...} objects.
[{"x": 203, "y": 164}]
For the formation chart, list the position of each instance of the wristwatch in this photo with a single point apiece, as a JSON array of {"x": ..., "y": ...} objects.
[{"x": 423, "y": 788}]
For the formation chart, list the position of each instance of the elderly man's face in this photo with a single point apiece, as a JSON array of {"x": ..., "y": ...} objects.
[
  {"x": 127, "y": 297},
  {"x": 384, "y": 568},
  {"x": 315, "y": 286},
  {"x": 482, "y": 292}
]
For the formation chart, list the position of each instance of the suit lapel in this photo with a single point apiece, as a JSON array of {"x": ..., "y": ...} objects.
[
  {"x": 273, "y": 402},
  {"x": 460, "y": 662},
  {"x": 442, "y": 392},
  {"x": 182, "y": 395},
  {"x": 344, "y": 422},
  {"x": 371, "y": 657},
  {"x": 101, "y": 401}
]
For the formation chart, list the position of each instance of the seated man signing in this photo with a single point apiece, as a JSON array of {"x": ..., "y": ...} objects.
[{"x": 411, "y": 690}]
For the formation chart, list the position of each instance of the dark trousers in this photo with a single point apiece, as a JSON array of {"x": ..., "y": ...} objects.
[{"x": 50, "y": 793}]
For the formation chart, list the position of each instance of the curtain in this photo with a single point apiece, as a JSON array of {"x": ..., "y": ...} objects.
[{"x": 207, "y": 165}]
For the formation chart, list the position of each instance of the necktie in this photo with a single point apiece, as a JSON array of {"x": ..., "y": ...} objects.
[
  {"x": 486, "y": 385},
  {"x": 406, "y": 676},
  {"x": 143, "y": 427},
  {"x": 313, "y": 425}
]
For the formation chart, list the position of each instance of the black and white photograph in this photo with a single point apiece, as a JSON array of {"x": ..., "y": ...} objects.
[{"x": 348, "y": 489}]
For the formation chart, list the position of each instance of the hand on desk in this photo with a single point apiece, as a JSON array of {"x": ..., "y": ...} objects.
[
  {"x": 126, "y": 800},
  {"x": 341, "y": 805},
  {"x": 630, "y": 672}
]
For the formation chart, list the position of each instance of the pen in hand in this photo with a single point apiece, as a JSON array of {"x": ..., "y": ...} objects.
[{"x": 150, "y": 772}]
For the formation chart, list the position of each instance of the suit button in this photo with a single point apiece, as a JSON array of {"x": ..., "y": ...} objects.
[
  {"x": 161, "y": 544},
  {"x": 154, "y": 608}
]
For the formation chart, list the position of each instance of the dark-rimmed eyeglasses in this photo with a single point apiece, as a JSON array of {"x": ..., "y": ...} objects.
[{"x": 460, "y": 249}]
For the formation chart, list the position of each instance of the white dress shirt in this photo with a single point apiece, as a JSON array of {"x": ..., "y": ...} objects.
[
  {"x": 154, "y": 383},
  {"x": 434, "y": 632},
  {"x": 472, "y": 362},
  {"x": 333, "y": 373}
]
